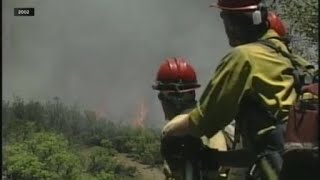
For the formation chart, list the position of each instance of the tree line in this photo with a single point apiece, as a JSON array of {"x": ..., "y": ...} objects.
[{"x": 53, "y": 141}]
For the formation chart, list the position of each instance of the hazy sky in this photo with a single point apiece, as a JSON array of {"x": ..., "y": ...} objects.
[{"x": 104, "y": 54}]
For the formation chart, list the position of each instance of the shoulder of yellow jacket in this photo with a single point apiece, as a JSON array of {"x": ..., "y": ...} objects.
[{"x": 245, "y": 52}]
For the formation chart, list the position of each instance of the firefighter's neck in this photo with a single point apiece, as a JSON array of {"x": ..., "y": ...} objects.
[{"x": 245, "y": 34}]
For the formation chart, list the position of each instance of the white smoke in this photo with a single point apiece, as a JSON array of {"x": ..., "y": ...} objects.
[{"x": 105, "y": 54}]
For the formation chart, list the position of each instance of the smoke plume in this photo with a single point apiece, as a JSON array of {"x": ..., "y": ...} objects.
[{"x": 105, "y": 54}]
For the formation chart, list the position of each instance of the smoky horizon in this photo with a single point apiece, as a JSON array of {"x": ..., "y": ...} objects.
[{"x": 104, "y": 55}]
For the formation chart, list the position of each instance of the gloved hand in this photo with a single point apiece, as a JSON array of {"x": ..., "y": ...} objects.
[
  {"x": 179, "y": 149},
  {"x": 178, "y": 126},
  {"x": 176, "y": 150}
]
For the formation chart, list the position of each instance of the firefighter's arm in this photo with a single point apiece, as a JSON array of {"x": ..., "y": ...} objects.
[
  {"x": 180, "y": 126},
  {"x": 219, "y": 102}
]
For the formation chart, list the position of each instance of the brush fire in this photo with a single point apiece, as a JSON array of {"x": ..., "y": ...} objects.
[{"x": 141, "y": 114}]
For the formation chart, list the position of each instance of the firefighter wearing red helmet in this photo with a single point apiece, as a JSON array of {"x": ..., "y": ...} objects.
[
  {"x": 254, "y": 85},
  {"x": 176, "y": 70},
  {"x": 176, "y": 82}
]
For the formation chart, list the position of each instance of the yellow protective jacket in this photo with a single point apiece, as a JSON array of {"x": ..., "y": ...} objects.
[{"x": 248, "y": 70}]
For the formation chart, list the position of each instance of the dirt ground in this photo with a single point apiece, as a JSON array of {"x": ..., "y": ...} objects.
[{"x": 145, "y": 172}]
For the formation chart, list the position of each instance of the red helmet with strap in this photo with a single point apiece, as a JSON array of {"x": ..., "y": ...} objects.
[
  {"x": 237, "y": 5},
  {"x": 276, "y": 24},
  {"x": 176, "y": 75}
]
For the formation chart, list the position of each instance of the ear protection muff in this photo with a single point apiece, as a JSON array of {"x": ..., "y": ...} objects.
[
  {"x": 259, "y": 15},
  {"x": 256, "y": 17}
]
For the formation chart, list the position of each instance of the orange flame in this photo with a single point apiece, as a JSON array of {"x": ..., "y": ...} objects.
[
  {"x": 141, "y": 116},
  {"x": 101, "y": 110}
]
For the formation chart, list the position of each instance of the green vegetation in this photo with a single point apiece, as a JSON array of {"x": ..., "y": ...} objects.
[
  {"x": 301, "y": 18},
  {"x": 53, "y": 141},
  {"x": 41, "y": 156}
]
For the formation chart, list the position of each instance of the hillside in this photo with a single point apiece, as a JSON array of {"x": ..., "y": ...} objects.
[
  {"x": 144, "y": 172},
  {"x": 53, "y": 141}
]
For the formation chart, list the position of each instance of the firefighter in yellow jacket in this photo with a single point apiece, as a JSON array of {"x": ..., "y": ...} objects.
[{"x": 253, "y": 84}]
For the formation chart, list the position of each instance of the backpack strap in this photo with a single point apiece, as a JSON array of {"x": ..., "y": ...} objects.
[
  {"x": 271, "y": 45},
  {"x": 282, "y": 39},
  {"x": 228, "y": 139},
  {"x": 237, "y": 135},
  {"x": 296, "y": 73}
]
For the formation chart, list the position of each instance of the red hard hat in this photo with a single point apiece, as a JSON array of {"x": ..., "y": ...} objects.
[
  {"x": 237, "y": 5},
  {"x": 276, "y": 24},
  {"x": 175, "y": 74}
]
